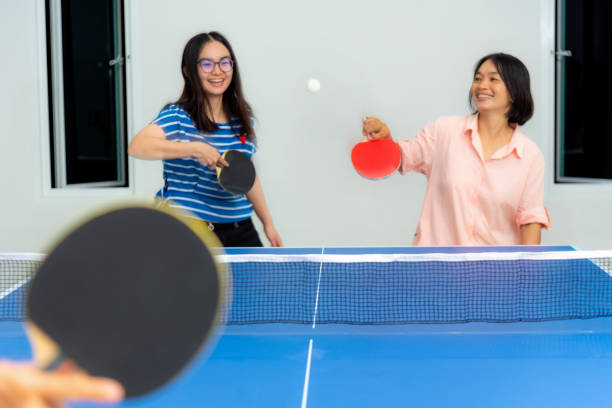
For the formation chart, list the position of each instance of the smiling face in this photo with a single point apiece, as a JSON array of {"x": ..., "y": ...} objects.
[
  {"x": 214, "y": 83},
  {"x": 489, "y": 91}
]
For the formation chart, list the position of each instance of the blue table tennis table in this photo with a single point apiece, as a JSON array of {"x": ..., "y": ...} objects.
[{"x": 558, "y": 363}]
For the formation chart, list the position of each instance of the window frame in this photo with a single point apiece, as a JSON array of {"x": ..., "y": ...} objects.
[
  {"x": 560, "y": 54},
  {"x": 51, "y": 61}
]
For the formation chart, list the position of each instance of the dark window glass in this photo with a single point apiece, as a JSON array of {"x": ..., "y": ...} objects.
[
  {"x": 93, "y": 88},
  {"x": 584, "y": 90}
]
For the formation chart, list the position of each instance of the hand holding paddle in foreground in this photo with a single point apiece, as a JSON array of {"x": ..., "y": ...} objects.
[
  {"x": 140, "y": 297},
  {"x": 23, "y": 385}
]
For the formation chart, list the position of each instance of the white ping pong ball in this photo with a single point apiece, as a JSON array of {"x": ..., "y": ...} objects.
[{"x": 313, "y": 85}]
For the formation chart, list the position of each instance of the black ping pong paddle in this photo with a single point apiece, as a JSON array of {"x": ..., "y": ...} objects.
[
  {"x": 132, "y": 294},
  {"x": 239, "y": 176}
]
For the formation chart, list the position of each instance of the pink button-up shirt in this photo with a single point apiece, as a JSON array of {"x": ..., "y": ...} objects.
[{"x": 470, "y": 201}]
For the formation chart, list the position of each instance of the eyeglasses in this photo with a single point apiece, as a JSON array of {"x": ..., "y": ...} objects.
[{"x": 225, "y": 64}]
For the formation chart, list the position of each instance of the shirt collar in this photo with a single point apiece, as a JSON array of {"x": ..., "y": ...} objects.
[{"x": 517, "y": 142}]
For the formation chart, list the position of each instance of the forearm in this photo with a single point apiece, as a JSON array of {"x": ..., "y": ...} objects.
[
  {"x": 256, "y": 197},
  {"x": 530, "y": 234},
  {"x": 151, "y": 144}
]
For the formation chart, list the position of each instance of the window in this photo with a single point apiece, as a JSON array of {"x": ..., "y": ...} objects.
[
  {"x": 584, "y": 90},
  {"x": 87, "y": 93}
]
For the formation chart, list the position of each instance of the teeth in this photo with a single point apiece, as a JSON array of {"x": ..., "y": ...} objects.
[
  {"x": 215, "y": 80},
  {"x": 484, "y": 96}
]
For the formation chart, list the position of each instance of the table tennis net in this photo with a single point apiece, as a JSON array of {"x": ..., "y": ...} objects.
[
  {"x": 390, "y": 288},
  {"x": 16, "y": 270}
]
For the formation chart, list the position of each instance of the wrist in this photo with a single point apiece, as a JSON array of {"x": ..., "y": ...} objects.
[{"x": 197, "y": 149}]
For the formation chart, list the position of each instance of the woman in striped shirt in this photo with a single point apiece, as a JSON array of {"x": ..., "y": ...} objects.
[{"x": 190, "y": 136}]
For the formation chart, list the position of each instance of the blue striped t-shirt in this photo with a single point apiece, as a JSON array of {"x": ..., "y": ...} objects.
[{"x": 192, "y": 186}]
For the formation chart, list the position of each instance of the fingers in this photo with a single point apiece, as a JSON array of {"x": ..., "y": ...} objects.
[
  {"x": 77, "y": 386},
  {"x": 374, "y": 129},
  {"x": 221, "y": 162},
  {"x": 273, "y": 236},
  {"x": 368, "y": 127},
  {"x": 209, "y": 157},
  {"x": 213, "y": 161},
  {"x": 11, "y": 394},
  {"x": 24, "y": 384},
  {"x": 276, "y": 241}
]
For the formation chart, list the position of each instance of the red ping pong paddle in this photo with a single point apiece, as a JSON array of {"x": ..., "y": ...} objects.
[{"x": 376, "y": 159}]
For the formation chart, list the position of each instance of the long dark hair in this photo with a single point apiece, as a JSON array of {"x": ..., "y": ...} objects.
[
  {"x": 516, "y": 78},
  {"x": 194, "y": 99}
]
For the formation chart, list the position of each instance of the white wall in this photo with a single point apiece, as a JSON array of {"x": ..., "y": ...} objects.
[{"x": 406, "y": 62}]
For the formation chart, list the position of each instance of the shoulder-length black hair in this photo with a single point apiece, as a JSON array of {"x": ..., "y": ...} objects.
[
  {"x": 194, "y": 99},
  {"x": 516, "y": 78}
]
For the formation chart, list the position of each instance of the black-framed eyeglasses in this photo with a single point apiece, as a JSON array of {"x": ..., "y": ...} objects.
[{"x": 207, "y": 65}]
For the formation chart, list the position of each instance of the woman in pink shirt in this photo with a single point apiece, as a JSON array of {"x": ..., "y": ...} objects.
[{"x": 485, "y": 178}]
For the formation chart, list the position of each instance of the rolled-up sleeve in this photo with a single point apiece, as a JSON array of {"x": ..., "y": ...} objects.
[
  {"x": 531, "y": 208},
  {"x": 417, "y": 153}
]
